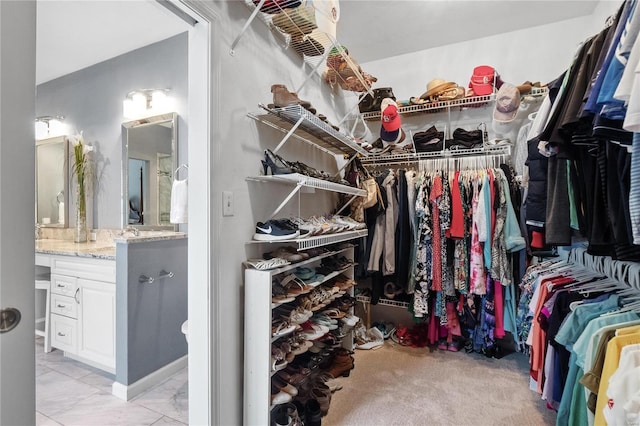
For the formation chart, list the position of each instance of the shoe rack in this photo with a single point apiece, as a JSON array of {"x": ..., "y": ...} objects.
[
  {"x": 297, "y": 122},
  {"x": 258, "y": 330}
]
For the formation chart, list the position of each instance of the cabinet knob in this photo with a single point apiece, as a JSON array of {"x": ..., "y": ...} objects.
[
  {"x": 61, "y": 334},
  {"x": 61, "y": 306}
]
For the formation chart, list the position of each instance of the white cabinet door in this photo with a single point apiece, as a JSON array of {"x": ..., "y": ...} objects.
[{"x": 96, "y": 322}]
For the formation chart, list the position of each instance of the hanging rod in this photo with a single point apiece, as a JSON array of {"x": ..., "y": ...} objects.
[{"x": 384, "y": 160}]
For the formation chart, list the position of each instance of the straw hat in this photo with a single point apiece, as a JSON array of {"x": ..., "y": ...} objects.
[{"x": 436, "y": 86}]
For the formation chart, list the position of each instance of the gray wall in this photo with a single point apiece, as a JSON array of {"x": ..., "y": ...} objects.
[
  {"x": 17, "y": 171},
  {"x": 91, "y": 101},
  {"x": 149, "y": 316}
]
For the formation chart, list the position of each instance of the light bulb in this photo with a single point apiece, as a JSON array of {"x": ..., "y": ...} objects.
[
  {"x": 42, "y": 130},
  {"x": 56, "y": 128},
  {"x": 158, "y": 100},
  {"x": 127, "y": 108},
  {"x": 139, "y": 103}
]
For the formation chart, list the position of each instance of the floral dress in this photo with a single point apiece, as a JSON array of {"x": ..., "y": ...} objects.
[{"x": 423, "y": 264}]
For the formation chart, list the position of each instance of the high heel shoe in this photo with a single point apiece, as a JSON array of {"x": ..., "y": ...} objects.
[{"x": 275, "y": 163}]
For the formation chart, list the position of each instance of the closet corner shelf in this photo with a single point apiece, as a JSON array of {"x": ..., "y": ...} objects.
[
  {"x": 311, "y": 129},
  {"x": 409, "y": 157},
  {"x": 383, "y": 302},
  {"x": 475, "y": 101},
  {"x": 471, "y": 101},
  {"x": 309, "y": 182},
  {"x": 319, "y": 240}
]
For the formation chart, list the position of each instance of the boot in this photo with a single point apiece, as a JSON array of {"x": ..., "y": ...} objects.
[
  {"x": 280, "y": 416},
  {"x": 282, "y": 97},
  {"x": 313, "y": 416},
  {"x": 342, "y": 365},
  {"x": 292, "y": 411}
]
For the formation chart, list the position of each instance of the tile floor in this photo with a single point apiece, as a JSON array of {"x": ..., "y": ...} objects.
[{"x": 71, "y": 393}]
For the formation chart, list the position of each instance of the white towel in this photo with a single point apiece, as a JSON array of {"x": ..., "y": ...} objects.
[{"x": 179, "y": 201}]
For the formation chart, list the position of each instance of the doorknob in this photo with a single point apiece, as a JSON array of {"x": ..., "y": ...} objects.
[{"x": 9, "y": 319}]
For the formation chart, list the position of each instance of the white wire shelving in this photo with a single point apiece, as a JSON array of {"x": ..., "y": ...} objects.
[
  {"x": 383, "y": 302},
  {"x": 318, "y": 240},
  {"x": 446, "y": 154},
  {"x": 435, "y": 107},
  {"x": 309, "y": 182},
  {"x": 295, "y": 121}
]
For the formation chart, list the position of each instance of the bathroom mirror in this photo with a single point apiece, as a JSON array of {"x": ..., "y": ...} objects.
[
  {"x": 52, "y": 182},
  {"x": 149, "y": 151}
]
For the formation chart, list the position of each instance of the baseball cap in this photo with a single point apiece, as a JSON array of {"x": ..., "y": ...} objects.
[
  {"x": 392, "y": 137},
  {"x": 507, "y": 103},
  {"x": 390, "y": 116},
  {"x": 482, "y": 80}
]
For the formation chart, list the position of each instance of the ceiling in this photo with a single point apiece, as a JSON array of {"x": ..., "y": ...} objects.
[
  {"x": 382, "y": 29},
  {"x": 72, "y": 35}
]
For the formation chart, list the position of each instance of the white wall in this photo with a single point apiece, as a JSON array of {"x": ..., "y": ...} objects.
[
  {"x": 539, "y": 53},
  {"x": 245, "y": 80}
]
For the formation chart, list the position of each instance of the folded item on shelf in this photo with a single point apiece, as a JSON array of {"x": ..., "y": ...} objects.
[
  {"x": 373, "y": 102},
  {"x": 297, "y": 21}
]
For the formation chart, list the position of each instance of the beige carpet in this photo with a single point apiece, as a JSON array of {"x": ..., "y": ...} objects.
[{"x": 397, "y": 385}]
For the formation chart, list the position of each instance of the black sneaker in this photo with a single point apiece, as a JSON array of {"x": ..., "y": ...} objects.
[{"x": 272, "y": 231}]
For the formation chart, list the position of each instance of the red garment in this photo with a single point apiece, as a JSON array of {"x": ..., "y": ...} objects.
[
  {"x": 456, "y": 231},
  {"x": 539, "y": 336},
  {"x": 498, "y": 300},
  {"x": 436, "y": 243}
]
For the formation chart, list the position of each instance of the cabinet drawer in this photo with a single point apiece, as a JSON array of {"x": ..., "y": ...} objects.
[
  {"x": 63, "y": 333},
  {"x": 82, "y": 267},
  {"x": 64, "y": 305},
  {"x": 63, "y": 285}
]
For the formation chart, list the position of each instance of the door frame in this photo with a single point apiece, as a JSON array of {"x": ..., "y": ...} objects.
[{"x": 203, "y": 243}]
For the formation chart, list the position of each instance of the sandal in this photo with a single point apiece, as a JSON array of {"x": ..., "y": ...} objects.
[
  {"x": 266, "y": 264},
  {"x": 294, "y": 286}
]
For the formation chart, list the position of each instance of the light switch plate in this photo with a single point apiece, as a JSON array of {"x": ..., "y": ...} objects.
[{"x": 227, "y": 203}]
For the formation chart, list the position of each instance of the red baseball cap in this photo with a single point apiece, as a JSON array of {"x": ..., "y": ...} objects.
[
  {"x": 390, "y": 118},
  {"x": 482, "y": 80}
]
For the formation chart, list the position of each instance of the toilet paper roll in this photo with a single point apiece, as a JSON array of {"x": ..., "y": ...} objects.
[{"x": 61, "y": 212}]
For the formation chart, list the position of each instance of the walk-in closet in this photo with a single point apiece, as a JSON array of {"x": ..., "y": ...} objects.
[{"x": 459, "y": 251}]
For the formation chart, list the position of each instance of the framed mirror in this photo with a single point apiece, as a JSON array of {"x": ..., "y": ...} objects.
[
  {"x": 52, "y": 182},
  {"x": 149, "y": 159}
]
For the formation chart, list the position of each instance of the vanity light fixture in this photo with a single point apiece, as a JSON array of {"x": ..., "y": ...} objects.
[
  {"x": 48, "y": 126},
  {"x": 145, "y": 103}
]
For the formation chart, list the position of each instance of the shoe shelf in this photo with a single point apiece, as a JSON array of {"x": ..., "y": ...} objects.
[
  {"x": 432, "y": 107},
  {"x": 298, "y": 122},
  {"x": 309, "y": 182},
  {"x": 383, "y": 302},
  {"x": 295, "y": 265},
  {"x": 258, "y": 333},
  {"x": 319, "y": 240}
]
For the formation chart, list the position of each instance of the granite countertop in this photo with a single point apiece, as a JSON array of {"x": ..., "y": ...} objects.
[
  {"x": 103, "y": 248},
  {"x": 96, "y": 249}
]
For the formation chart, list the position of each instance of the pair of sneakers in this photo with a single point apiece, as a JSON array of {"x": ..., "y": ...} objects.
[{"x": 276, "y": 230}]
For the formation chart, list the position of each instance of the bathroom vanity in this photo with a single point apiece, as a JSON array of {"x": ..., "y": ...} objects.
[
  {"x": 118, "y": 304},
  {"x": 83, "y": 293}
]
